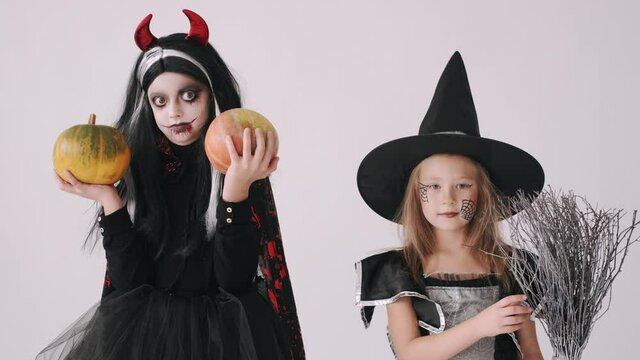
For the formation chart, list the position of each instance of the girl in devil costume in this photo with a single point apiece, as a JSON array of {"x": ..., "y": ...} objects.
[
  {"x": 448, "y": 291},
  {"x": 195, "y": 265}
]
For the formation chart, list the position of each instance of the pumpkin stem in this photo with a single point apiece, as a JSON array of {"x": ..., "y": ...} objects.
[{"x": 92, "y": 119}]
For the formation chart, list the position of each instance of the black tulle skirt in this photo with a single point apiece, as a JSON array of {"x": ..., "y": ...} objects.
[{"x": 147, "y": 323}]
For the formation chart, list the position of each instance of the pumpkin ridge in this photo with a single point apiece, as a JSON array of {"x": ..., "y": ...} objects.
[{"x": 95, "y": 154}]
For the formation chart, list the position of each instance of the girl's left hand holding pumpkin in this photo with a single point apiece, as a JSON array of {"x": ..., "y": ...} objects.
[
  {"x": 248, "y": 167},
  {"x": 106, "y": 195}
]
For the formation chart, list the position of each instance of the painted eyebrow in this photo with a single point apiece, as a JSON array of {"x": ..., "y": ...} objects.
[
  {"x": 191, "y": 87},
  {"x": 194, "y": 87}
]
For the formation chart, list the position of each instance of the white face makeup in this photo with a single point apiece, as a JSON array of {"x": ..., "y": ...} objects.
[
  {"x": 448, "y": 191},
  {"x": 180, "y": 106}
]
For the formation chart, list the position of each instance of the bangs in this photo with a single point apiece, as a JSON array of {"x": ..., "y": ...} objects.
[{"x": 177, "y": 65}]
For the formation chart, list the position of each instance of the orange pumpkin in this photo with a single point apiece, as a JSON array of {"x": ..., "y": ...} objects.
[
  {"x": 94, "y": 154},
  {"x": 233, "y": 122}
]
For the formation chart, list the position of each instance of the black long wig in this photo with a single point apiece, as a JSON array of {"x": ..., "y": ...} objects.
[{"x": 140, "y": 189}]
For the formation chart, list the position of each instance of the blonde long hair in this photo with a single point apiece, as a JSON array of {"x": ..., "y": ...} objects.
[{"x": 484, "y": 233}]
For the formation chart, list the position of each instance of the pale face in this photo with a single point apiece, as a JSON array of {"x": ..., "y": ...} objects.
[
  {"x": 448, "y": 191},
  {"x": 180, "y": 106}
]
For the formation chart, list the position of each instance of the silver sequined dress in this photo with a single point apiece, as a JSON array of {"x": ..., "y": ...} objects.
[
  {"x": 441, "y": 301},
  {"x": 461, "y": 297}
]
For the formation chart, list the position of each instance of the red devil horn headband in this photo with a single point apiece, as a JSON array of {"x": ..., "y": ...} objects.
[
  {"x": 198, "y": 31},
  {"x": 143, "y": 36}
]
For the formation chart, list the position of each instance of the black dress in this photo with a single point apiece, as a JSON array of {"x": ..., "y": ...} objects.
[
  {"x": 441, "y": 301},
  {"x": 201, "y": 303}
]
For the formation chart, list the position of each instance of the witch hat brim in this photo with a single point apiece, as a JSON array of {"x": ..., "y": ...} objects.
[
  {"x": 450, "y": 127},
  {"x": 384, "y": 173}
]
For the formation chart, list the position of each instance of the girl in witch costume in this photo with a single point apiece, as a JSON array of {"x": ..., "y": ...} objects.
[
  {"x": 445, "y": 187},
  {"x": 184, "y": 243}
]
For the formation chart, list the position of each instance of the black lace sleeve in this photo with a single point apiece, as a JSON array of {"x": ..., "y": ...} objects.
[
  {"x": 236, "y": 246},
  {"x": 124, "y": 250}
]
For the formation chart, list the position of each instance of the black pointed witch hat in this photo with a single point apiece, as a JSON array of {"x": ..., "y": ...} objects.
[{"x": 449, "y": 127}]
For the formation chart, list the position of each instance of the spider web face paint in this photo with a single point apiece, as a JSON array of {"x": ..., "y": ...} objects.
[
  {"x": 423, "y": 192},
  {"x": 468, "y": 209}
]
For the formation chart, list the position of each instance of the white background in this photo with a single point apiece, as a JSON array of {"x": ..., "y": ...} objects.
[{"x": 559, "y": 79}]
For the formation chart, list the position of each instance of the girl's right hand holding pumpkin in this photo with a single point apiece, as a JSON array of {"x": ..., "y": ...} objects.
[
  {"x": 249, "y": 167},
  {"x": 505, "y": 316},
  {"x": 106, "y": 195}
]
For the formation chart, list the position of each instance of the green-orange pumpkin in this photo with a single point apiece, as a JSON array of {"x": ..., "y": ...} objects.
[
  {"x": 94, "y": 154},
  {"x": 233, "y": 122}
]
